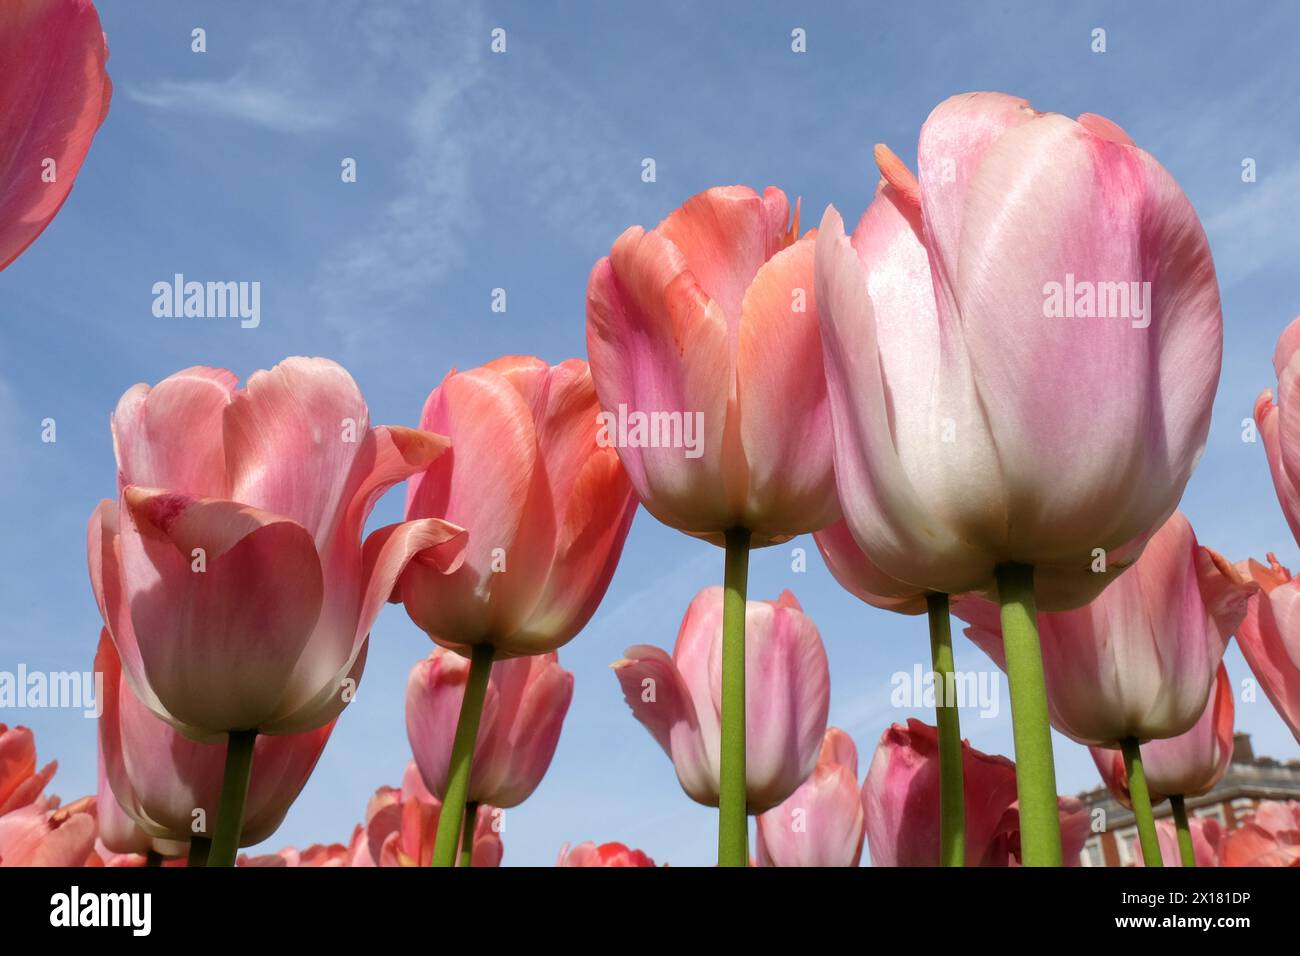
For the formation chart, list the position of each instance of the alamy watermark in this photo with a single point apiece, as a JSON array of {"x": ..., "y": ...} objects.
[
  {"x": 208, "y": 300},
  {"x": 624, "y": 429},
  {"x": 965, "y": 689},
  {"x": 82, "y": 690},
  {"x": 1084, "y": 299}
]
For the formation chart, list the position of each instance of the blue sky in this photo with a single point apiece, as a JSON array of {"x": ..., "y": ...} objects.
[{"x": 478, "y": 171}]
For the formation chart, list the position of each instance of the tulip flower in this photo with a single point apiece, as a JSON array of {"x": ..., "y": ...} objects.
[
  {"x": 1278, "y": 424},
  {"x": 1196, "y": 844},
  {"x": 706, "y": 354},
  {"x": 20, "y": 782},
  {"x": 523, "y": 711},
  {"x": 607, "y": 854},
  {"x": 231, "y": 574},
  {"x": 900, "y": 799},
  {"x": 1188, "y": 765},
  {"x": 401, "y": 829},
  {"x": 1269, "y": 637},
  {"x": 42, "y": 833},
  {"x": 169, "y": 786},
  {"x": 821, "y": 823},
  {"x": 1269, "y": 836},
  {"x": 1029, "y": 244},
  {"x": 54, "y": 94},
  {"x": 1140, "y": 661},
  {"x": 316, "y": 855},
  {"x": 547, "y": 509},
  {"x": 678, "y": 698},
  {"x": 121, "y": 841}
]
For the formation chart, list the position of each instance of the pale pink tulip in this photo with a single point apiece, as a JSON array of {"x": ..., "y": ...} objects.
[
  {"x": 679, "y": 698},
  {"x": 160, "y": 777},
  {"x": 318, "y": 854},
  {"x": 547, "y": 508},
  {"x": 1140, "y": 660},
  {"x": 42, "y": 833},
  {"x": 1188, "y": 765},
  {"x": 20, "y": 782},
  {"x": 607, "y": 854},
  {"x": 527, "y": 698},
  {"x": 402, "y": 824},
  {"x": 858, "y": 574},
  {"x": 1269, "y": 637},
  {"x": 900, "y": 798},
  {"x": 957, "y": 446},
  {"x": 1279, "y": 425},
  {"x": 821, "y": 823},
  {"x": 232, "y": 574},
  {"x": 1269, "y": 836},
  {"x": 710, "y": 319},
  {"x": 54, "y": 94},
  {"x": 1207, "y": 841}
]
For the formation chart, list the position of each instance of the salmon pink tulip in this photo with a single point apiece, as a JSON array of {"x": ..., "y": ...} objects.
[
  {"x": 900, "y": 798},
  {"x": 1030, "y": 244},
  {"x": 1270, "y": 637},
  {"x": 20, "y": 782},
  {"x": 1188, "y": 765},
  {"x": 547, "y": 508},
  {"x": 42, "y": 833},
  {"x": 821, "y": 823},
  {"x": 678, "y": 698},
  {"x": 54, "y": 94},
  {"x": 160, "y": 777},
  {"x": 1207, "y": 841},
  {"x": 231, "y": 573},
  {"x": 1268, "y": 836},
  {"x": 705, "y": 351},
  {"x": 1139, "y": 661},
  {"x": 607, "y": 854},
  {"x": 527, "y": 698}
]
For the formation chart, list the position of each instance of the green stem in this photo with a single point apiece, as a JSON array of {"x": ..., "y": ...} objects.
[
  {"x": 199, "y": 848},
  {"x": 153, "y": 858},
  {"x": 1141, "y": 799},
  {"x": 1186, "y": 851},
  {"x": 733, "y": 819},
  {"x": 952, "y": 795},
  {"x": 447, "y": 839},
  {"x": 467, "y": 834},
  {"x": 234, "y": 789},
  {"x": 1040, "y": 824}
]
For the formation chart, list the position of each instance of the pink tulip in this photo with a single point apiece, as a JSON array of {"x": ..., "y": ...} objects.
[
  {"x": 20, "y": 782},
  {"x": 1269, "y": 637},
  {"x": 858, "y": 574},
  {"x": 401, "y": 825},
  {"x": 957, "y": 448},
  {"x": 527, "y": 698},
  {"x": 679, "y": 698},
  {"x": 710, "y": 319},
  {"x": 546, "y": 507},
  {"x": 318, "y": 854},
  {"x": 607, "y": 854},
  {"x": 160, "y": 778},
  {"x": 42, "y": 833},
  {"x": 821, "y": 823},
  {"x": 1188, "y": 765},
  {"x": 1279, "y": 425},
  {"x": 1270, "y": 836},
  {"x": 1207, "y": 839},
  {"x": 1139, "y": 661},
  {"x": 232, "y": 574},
  {"x": 901, "y": 800},
  {"x": 54, "y": 94}
]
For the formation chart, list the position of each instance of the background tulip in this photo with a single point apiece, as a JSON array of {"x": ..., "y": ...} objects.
[
  {"x": 42, "y": 833},
  {"x": 821, "y": 823},
  {"x": 231, "y": 574},
  {"x": 527, "y": 698},
  {"x": 858, "y": 574},
  {"x": 900, "y": 798},
  {"x": 547, "y": 508},
  {"x": 956, "y": 449},
  {"x": 678, "y": 698},
  {"x": 713, "y": 312},
  {"x": 20, "y": 782},
  {"x": 1269, "y": 637},
  {"x": 1139, "y": 661},
  {"x": 1206, "y": 840},
  {"x": 1188, "y": 765},
  {"x": 159, "y": 778},
  {"x": 607, "y": 854},
  {"x": 1279, "y": 425},
  {"x": 54, "y": 94},
  {"x": 1269, "y": 836}
]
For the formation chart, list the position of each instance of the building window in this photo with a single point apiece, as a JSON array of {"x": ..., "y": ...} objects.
[
  {"x": 1092, "y": 853},
  {"x": 1124, "y": 843}
]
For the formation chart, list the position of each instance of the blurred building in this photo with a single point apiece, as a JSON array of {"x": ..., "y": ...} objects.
[{"x": 1249, "y": 780}]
